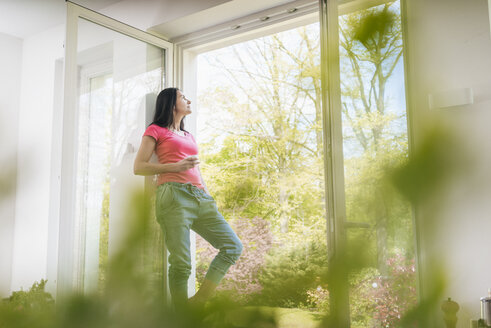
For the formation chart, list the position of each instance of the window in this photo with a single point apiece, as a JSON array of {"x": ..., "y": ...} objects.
[
  {"x": 236, "y": 125},
  {"x": 375, "y": 138},
  {"x": 112, "y": 75}
]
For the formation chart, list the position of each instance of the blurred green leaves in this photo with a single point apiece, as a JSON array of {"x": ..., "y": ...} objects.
[
  {"x": 374, "y": 25},
  {"x": 434, "y": 163}
]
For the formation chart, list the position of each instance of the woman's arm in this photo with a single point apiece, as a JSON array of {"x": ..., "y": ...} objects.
[{"x": 143, "y": 166}]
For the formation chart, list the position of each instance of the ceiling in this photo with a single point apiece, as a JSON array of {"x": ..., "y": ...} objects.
[
  {"x": 22, "y": 18},
  {"x": 170, "y": 18},
  {"x": 213, "y": 16}
]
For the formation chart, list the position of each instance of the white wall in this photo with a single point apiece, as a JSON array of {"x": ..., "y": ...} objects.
[
  {"x": 37, "y": 98},
  {"x": 10, "y": 68},
  {"x": 449, "y": 48}
]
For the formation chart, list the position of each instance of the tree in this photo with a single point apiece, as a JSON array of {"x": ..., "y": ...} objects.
[{"x": 279, "y": 124}]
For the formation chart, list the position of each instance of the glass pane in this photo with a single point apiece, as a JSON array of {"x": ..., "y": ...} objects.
[
  {"x": 374, "y": 138},
  {"x": 117, "y": 74},
  {"x": 260, "y": 134}
]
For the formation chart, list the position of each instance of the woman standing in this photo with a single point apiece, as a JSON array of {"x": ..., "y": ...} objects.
[{"x": 182, "y": 199}]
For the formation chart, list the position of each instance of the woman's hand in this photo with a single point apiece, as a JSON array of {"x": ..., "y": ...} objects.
[
  {"x": 187, "y": 163},
  {"x": 143, "y": 166}
]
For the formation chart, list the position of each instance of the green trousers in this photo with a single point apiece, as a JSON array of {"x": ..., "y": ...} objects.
[{"x": 179, "y": 208}]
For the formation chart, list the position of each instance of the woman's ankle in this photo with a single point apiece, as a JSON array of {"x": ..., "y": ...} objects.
[{"x": 206, "y": 291}]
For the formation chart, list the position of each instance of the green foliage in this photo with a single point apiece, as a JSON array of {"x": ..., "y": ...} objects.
[
  {"x": 378, "y": 300},
  {"x": 290, "y": 272},
  {"x": 244, "y": 185},
  {"x": 374, "y": 25},
  {"x": 362, "y": 304},
  {"x": 439, "y": 158},
  {"x": 236, "y": 180},
  {"x": 36, "y": 298},
  {"x": 32, "y": 308}
]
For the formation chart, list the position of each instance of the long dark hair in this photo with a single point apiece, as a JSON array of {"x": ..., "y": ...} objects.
[{"x": 164, "y": 108}]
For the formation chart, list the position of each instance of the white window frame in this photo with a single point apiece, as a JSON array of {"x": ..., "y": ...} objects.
[
  {"x": 86, "y": 74},
  {"x": 66, "y": 183},
  {"x": 334, "y": 168}
]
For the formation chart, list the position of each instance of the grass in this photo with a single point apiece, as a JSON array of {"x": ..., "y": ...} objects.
[{"x": 293, "y": 317}]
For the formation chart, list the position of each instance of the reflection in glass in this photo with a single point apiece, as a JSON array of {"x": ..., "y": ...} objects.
[{"x": 116, "y": 75}]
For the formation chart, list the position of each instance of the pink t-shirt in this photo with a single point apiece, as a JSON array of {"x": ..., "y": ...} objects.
[{"x": 172, "y": 148}]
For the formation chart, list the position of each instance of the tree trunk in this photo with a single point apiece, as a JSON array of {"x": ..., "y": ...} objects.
[{"x": 283, "y": 200}]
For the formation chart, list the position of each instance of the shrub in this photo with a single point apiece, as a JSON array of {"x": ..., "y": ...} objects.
[
  {"x": 382, "y": 301},
  {"x": 32, "y": 308},
  {"x": 36, "y": 298},
  {"x": 290, "y": 272},
  {"x": 319, "y": 297},
  {"x": 396, "y": 294}
]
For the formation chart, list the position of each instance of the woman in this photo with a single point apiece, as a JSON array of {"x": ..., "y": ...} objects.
[{"x": 182, "y": 199}]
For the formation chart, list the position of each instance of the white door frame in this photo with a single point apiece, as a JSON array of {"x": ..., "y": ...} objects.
[{"x": 67, "y": 181}]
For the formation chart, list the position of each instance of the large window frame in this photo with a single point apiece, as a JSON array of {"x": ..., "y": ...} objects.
[{"x": 188, "y": 47}]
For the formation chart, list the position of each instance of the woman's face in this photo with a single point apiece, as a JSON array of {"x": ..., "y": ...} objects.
[{"x": 183, "y": 105}]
